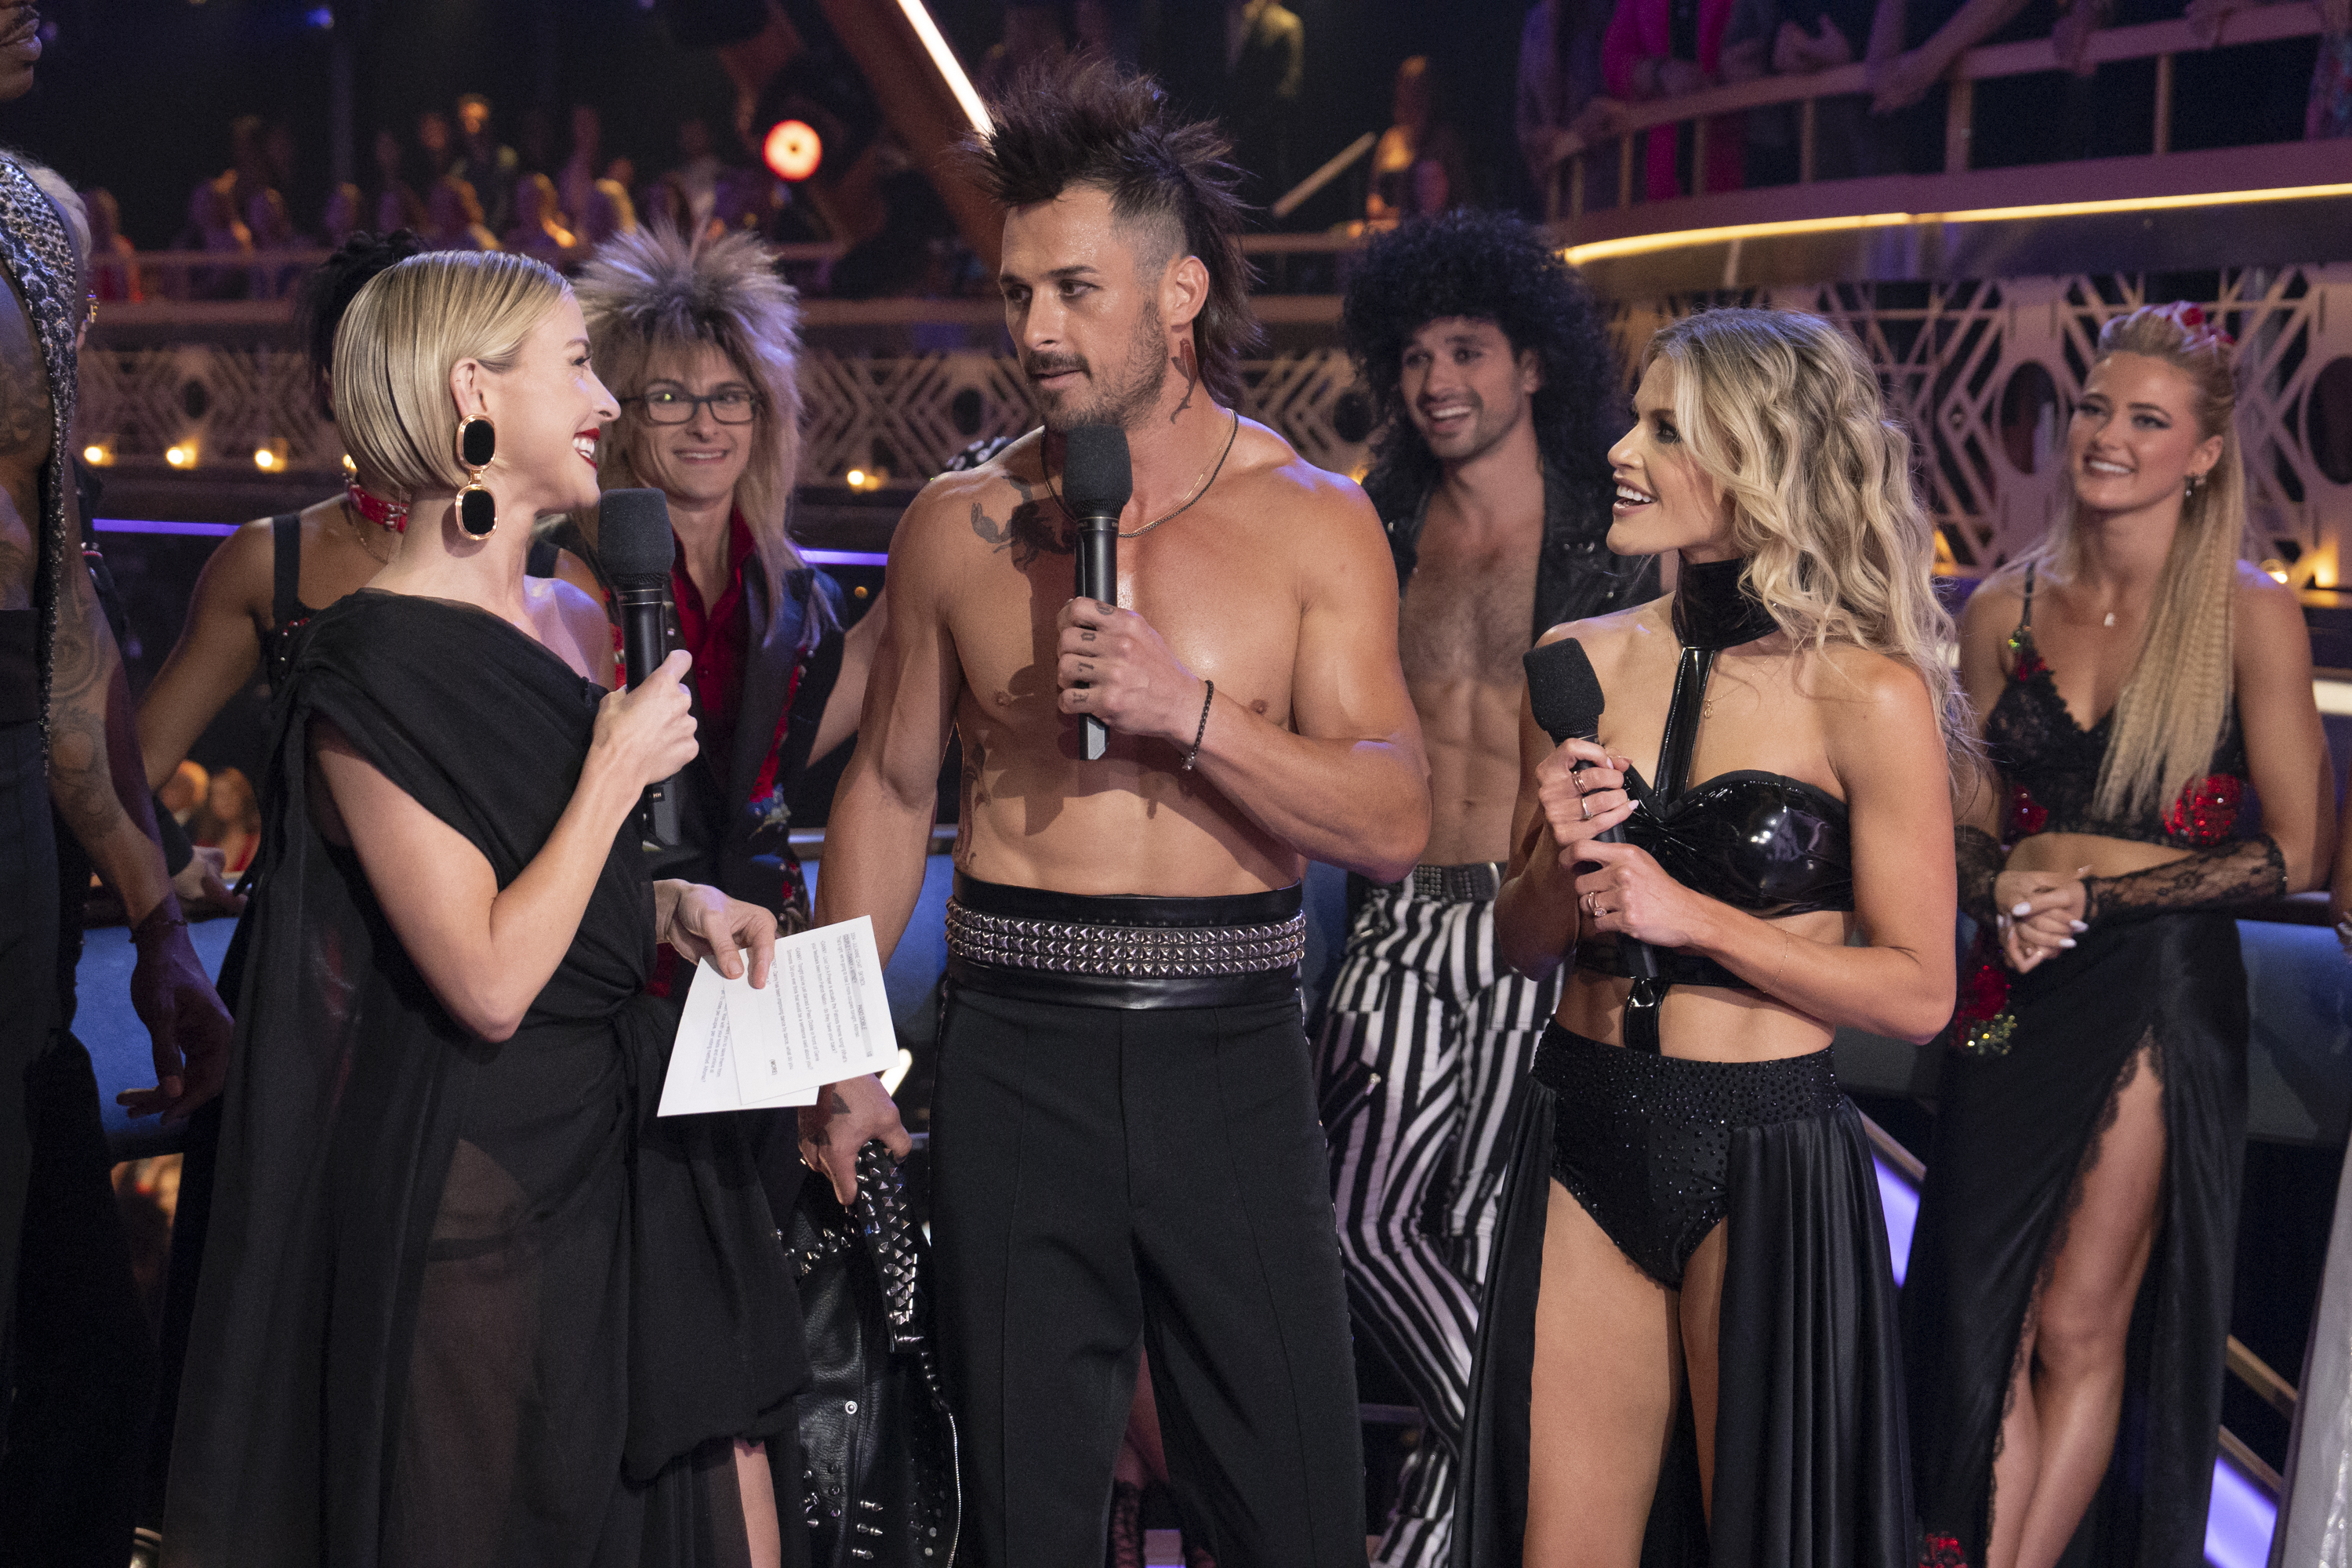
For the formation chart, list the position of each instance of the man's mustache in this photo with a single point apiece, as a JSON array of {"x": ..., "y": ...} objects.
[{"x": 1044, "y": 365}]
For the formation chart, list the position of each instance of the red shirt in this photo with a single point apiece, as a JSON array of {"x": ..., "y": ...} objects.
[{"x": 718, "y": 637}]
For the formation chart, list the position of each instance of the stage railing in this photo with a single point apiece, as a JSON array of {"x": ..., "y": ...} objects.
[{"x": 2159, "y": 41}]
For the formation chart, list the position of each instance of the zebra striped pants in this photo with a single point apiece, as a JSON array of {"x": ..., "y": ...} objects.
[{"x": 1425, "y": 1037}]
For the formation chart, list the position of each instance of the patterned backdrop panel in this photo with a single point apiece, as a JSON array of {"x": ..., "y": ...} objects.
[{"x": 1983, "y": 372}]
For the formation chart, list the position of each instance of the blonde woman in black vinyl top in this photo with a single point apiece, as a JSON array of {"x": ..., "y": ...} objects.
[{"x": 1688, "y": 1351}]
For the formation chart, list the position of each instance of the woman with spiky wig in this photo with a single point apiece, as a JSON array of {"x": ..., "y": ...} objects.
[{"x": 700, "y": 343}]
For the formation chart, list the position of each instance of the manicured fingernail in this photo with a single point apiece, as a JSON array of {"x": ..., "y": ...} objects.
[
  {"x": 2022, "y": 910},
  {"x": 2065, "y": 941},
  {"x": 2080, "y": 926}
]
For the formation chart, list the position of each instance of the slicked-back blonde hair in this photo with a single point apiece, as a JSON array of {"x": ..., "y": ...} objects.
[
  {"x": 1783, "y": 412},
  {"x": 651, "y": 290},
  {"x": 405, "y": 331},
  {"x": 2174, "y": 703}
]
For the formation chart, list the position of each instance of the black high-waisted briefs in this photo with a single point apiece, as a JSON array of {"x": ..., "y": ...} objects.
[{"x": 1642, "y": 1140}]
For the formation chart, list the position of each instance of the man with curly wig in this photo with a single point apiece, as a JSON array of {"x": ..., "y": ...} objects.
[{"x": 1497, "y": 397}]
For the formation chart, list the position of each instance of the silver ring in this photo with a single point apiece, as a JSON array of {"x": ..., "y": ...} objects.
[
  {"x": 1583, "y": 805},
  {"x": 1592, "y": 905}
]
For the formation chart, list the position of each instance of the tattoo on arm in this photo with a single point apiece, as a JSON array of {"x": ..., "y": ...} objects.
[
  {"x": 1037, "y": 525},
  {"x": 82, "y": 665}
]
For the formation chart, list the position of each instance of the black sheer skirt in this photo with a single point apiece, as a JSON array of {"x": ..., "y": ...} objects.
[
  {"x": 2014, "y": 1133},
  {"x": 466, "y": 1303},
  {"x": 1812, "y": 1470}
]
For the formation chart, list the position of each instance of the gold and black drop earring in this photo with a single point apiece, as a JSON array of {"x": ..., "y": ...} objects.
[{"x": 477, "y": 442}]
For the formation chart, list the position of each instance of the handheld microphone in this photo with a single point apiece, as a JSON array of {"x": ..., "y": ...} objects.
[
  {"x": 1565, "y": 697},
  {"x": 1097, "y": 481},
  {"x": 634, "y": 543}
]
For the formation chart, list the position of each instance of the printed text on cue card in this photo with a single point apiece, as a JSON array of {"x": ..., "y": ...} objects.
[{"x": 822, "y": 1016}]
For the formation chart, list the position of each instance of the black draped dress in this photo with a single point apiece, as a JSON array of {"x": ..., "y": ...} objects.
[{"x": 466, "y": 1303}]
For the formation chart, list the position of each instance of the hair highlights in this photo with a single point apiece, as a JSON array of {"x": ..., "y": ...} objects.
[
  {"x": 2175, "y": 704},
  {"x": 408, "y": 328},
  {"x": 651, "y": 290},
  {"x": 1783, "y": 412}
]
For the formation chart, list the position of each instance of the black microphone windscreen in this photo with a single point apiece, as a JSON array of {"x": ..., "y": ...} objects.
[
  {"x": 1096, "y": 480},
  {"x": 1563, "y": 691},
  {"x": 633, "y": 536}
]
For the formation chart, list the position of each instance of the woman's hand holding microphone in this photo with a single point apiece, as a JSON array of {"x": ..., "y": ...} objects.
[{"x": 1581, "y": 788}]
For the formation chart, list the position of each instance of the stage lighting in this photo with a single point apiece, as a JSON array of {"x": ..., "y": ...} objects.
[
  {"x": 180, "y": 455},
  {"x": 264, "y": 458},
  {"x": 793, "y": 150},
  {"x": 856, "y": 478},
  {"x": 98, "y": 455}
]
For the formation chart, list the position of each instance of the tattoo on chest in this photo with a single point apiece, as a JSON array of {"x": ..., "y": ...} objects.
[{"x": 1037, "y": 526}]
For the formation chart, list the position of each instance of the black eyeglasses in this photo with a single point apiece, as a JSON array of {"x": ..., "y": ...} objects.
[{"x": 729, "y": 405}]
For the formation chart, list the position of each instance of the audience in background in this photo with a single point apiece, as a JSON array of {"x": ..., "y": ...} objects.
[
  {"x": 214, "y": 225},
  {"x": 1663, "y": 48},
  {"x": 397, "y": 205},
  {"x": 436, "y": 143},
  {"x": 484, "y": 164},
  {"x": 539, "y": 226},
  {"x": 229, "y": 821},
  {"x": 1421, "y": 164},
  {"x": 586, "y": 167},
  {"x": 343, "y": 216},
  {"x": 1032, "y": 39},
  {"x": 609, "y": 212},
  {"x": 453, "y": 218},
  {"x": 697, "y": 171},
  {"x": 1265, "y": 75},
  {"x": 1798, "y": 37},
  {"x": 121, "y": 283},
  {"x": 1563, "y": 102}
]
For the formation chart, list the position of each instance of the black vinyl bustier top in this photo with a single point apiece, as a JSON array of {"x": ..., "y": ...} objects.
[
  {"x": 1757, "y": 841},
  {"x": 2050, "y": 763}
]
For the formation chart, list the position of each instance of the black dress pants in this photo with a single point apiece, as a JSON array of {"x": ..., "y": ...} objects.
[{"x": 1110, "y": 1179}]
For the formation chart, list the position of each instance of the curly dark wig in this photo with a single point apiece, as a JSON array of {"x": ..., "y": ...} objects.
[
  {"x": 331, "y": 286},
  {"x": 1087, "y": 124},
  {"x": 1491, "y": 268}
]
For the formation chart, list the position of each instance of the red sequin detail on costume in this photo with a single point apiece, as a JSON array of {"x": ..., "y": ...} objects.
[
  {"x": 1984, "y": 984},
  {"x": 2027, "y": 815},
  {"x": 1942, "y": 1552},
  {"x": 2207, "y": 810}
]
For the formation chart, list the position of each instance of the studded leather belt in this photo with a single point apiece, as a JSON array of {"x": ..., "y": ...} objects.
[{"x": 1126, "y": 951}]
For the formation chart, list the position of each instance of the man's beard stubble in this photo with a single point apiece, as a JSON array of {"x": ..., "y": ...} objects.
[{"x": 1124, "y": 404}]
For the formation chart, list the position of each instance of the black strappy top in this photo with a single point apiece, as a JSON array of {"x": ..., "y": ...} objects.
[
  {"x": 1757, "y": 841},
  {"x": 288, "y": 613},
  {"x": 2050, "y": 763}
]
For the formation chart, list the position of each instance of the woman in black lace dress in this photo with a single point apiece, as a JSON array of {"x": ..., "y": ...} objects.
[
  {"x": 1687, "y": 1351},
  {"x": 2071, "y": 1271},
  {"x": 467, "y": 1301}
]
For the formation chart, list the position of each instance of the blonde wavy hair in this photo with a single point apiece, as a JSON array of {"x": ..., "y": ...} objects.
[
  {"x": 2175, "y": 705},
  {"x": 405, "y": 331},
  {"x": 651, "y": 289},
  {"x": 1783, "y": 412}
]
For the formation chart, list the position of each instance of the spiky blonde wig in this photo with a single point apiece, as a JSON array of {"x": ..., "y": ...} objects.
[{"x": 652, "y": 289}]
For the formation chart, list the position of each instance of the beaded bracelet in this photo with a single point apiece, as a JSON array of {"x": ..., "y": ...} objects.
[{"x": 1208, "y": 697}]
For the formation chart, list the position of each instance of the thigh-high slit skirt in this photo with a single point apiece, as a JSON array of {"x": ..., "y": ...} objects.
[
  {"x": 2015, "y": 1134},
  {"x": 1811, "y": 1470}
]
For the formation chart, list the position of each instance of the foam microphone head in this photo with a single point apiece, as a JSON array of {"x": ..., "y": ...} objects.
[
  {"x": 633, "y": 542},
  {"x": 1096, "y": 480},
  {"x": 1562, "y": 691}
]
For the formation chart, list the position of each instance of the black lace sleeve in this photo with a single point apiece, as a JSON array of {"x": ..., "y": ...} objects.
[
  {"x": 2221, "y": 878},
  {"x": 1979, "y": 857}
]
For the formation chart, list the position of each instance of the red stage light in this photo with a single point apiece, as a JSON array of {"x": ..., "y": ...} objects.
[{"x": 791, "y": 148}]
